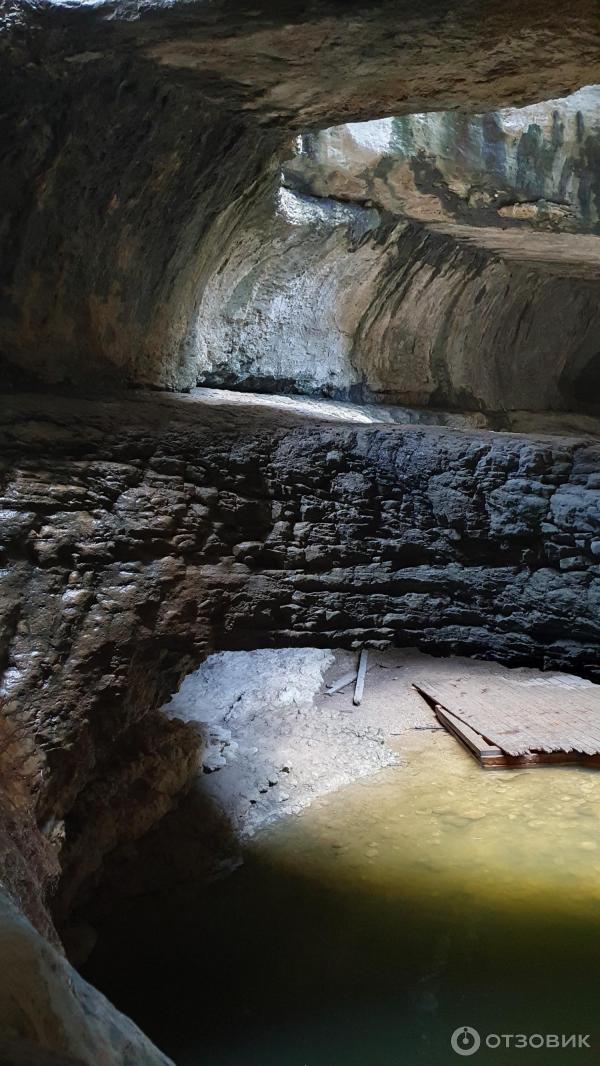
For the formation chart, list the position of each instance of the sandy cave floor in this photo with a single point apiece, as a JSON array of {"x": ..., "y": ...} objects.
[{"x": 276, "y": 740}]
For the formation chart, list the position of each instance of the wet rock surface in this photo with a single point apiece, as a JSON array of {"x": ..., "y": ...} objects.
[
  {"x": 159, "y": 530},
  {"x": 139, "y": 535},
  {"x": 434, "y": 830},
  {"x": 275, "y": 739}
]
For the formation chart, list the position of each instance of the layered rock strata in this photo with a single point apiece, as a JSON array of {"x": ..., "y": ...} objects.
[
  {"x": 536, "y": 165},
  {"x": 161, "y": 530}
]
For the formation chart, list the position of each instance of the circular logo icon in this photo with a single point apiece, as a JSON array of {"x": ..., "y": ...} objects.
[{"x": 465, "y": 1041}]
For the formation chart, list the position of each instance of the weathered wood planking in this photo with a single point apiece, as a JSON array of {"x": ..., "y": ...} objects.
[{"x": 531, "y": 719}]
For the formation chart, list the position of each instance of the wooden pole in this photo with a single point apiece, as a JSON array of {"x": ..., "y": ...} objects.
[
  {"x": 360, "y": 678},
  {"x": 345, "y": 679}
]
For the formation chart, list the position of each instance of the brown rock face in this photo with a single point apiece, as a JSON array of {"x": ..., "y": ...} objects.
[
  {"x": 534, "y": 164},
  {"x": 136, "y": 133},
  {"x": 29, "y": 866},
  {"x": 436, "y": 259},
  {"x": 51, "y": 1016}
]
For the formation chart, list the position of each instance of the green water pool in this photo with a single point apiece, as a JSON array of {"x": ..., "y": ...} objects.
[{"x": 364, "y": 931}]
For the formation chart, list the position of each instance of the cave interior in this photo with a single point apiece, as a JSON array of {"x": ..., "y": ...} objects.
[{"x": 300, "y": 344}]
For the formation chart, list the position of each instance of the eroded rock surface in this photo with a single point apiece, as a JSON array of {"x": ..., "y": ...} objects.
[
  {"x": 434, "y": 259},
  {"x": 138, "y": 132},
  {"x": 536, "y": 164},
  {"x": 336, "y": 299},
  {"x": 161, "y": 530},
  {"x": 139, "y": 536},
  {"x": 270, "y": 749}
]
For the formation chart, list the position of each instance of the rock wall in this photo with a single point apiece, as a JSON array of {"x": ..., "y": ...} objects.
[
  {"x": 160, "y": 530},
  {"x": 321, "y": 297},
  {"x": 283, "y": 305},
  {"x": 480, "y": 319},
  {"x": 135, "y": 537},
  {"x": 50, "y": 1016},
  {"x": 537, "y": 164},
  {"x": 135, "y": 132},
  {"x": 432, "y": 259}
]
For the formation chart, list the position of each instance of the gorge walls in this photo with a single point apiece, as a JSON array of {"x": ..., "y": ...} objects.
[
  {"x": 140, "y": 246},
  {"x": 535, "y": 164},
  {"x": 335, "y": 299},
  {"x": 433, "y": 259}
]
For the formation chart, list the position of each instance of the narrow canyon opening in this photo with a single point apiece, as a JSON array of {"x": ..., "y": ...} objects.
[{"x": 299, "y": 330}]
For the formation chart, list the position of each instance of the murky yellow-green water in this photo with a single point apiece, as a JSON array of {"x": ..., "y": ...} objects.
[{"x": 364, "y": 931}]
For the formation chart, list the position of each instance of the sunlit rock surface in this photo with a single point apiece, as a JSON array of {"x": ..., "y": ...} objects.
[
  {"x": 282, "y": 308},
  {"x": 433, "y": 259},
  {"x": 345, "y": 301},
  {"x": 139, "y": 537},
  {"x": 537, "y": 164},
  {"x": 272, "y": 747}
]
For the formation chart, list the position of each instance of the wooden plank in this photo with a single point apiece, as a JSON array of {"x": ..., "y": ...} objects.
[
  {"x": 487, "y": 754},
  {"x": 360, "y": 678},
  {"x": 523, "y": 711},
  {"x": 342, "y": 682},
  {"x": 501, "y": 714}
]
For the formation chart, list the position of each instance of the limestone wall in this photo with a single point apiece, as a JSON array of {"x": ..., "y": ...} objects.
[
  {"x": 158, "y": 531},
  {"x": 135, "y": 132},
  {"x": 536, "y": 164},
  {"x": 335, "y": 299}
]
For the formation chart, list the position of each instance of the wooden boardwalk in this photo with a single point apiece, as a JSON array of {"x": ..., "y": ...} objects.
[{"x": 511, "y": 718}]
